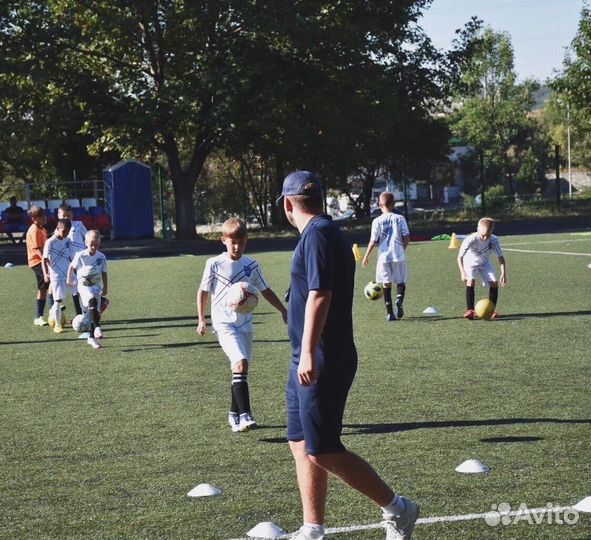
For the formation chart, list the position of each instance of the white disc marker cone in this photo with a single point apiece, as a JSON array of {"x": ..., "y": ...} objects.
[
  {"x": 266, "y": 529},
  {"x": 584, "y": 505},
  {"x": 204, "y": 490},
  {"x": 430, "y": 311},
  {"x": 472, "y": 466}
]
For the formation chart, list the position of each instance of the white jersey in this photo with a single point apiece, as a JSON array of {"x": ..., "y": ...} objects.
[
  {"x": 57, "y": 252},
  {"x": 476, "y": 252},
  {"x": 77, "y": 235},
  {"x": 387, "y": 231},
  {"x": 219, "y": 274},
  {"x": 91, "y": 265}
]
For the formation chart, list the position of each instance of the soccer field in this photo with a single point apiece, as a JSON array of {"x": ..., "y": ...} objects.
[{"x": 106, "y": 444}]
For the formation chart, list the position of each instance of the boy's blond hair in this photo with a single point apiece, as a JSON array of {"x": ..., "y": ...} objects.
[
  {"x": 92, "y": 233},
  {"x": 387, "y": 199},
  {"x": 35, "y": 212},
  {"x": 234, "y": 228},
  {"x": 487, "y": 224}
]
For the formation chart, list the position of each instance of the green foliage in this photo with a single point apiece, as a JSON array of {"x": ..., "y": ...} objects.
[{"x": 495, "y": 197}]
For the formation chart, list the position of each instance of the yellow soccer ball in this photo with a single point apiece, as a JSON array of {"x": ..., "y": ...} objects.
[
  {"x": 373, "y": 291},
  {"x": 484, "y": 309}
]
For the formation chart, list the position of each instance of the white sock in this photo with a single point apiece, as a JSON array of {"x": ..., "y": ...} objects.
[
  {"x": 395, "y": 508},
  {"x": 313, "y": 531}
]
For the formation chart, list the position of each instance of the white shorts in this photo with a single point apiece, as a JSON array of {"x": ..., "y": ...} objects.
[
  {"x": 86, "y": 293},
  {"x": 486, "y": 272},
  {"x": 391, "y": 272},
  {"x": 236, "y": 345},
  {"x": 59, "y": 287}
]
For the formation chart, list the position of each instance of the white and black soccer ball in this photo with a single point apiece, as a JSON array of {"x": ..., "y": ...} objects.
[
  {"x": 80, "y": 323},
  {"x": 242, "y": 297},
  {"x": 89, "y": 275},
  {"x": 373, "y": 291}
]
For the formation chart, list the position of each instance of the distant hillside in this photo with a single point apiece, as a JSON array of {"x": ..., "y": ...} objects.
[{"x": 542, "y": 95}]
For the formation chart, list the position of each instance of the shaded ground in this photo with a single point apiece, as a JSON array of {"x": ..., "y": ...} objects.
[{"x": 155, "y": 247}]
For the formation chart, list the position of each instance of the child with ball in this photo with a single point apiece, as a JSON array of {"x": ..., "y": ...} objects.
[
  {"x": 389, "y": 232},
  {"x": 474, "y": 259},
  {"x": 90, "y": 267},
  {"x": 234, "y": 329},
  {"x": 56, "y": 260}
]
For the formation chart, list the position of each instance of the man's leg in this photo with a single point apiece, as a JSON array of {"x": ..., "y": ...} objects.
[
  {"x": 312, "y": 482},
  {"x": 357, "y": 473}
]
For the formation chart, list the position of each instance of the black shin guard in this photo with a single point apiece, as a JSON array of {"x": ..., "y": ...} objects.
[
  {"x": 388, "y": 300},
  {"x": 94, "y": 315},
  {"x": 77, "y": 306},
  {"x": 469, "y": 297},
  {"x": 240, "y": 391},
  {"x": 493, "y": 295}
]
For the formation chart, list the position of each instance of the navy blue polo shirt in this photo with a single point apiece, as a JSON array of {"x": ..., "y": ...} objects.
[{"x": 323, "y": 260}]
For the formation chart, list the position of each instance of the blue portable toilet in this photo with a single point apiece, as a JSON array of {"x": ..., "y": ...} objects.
[{"x": 128, "y": 199}]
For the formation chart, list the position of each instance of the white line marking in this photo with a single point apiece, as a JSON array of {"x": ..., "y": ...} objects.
[
  {"x": 438, "y": 519},
  {"x": 549, "y": 252},
  {"x": 562, "y": 241}
]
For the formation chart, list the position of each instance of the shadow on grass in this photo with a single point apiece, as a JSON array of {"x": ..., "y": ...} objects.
[
  {"x": 374, "y": 429},
  {"x": 507, "y": 317},
  {"x": 197, "y": 344}
]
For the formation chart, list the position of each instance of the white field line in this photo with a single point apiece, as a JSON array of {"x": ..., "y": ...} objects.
[
  {"x": 562, "y": 241},
  {"x": 549, "y": 252},
  {"x": 438, "y": 519}
]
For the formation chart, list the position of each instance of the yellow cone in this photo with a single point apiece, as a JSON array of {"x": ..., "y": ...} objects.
[
  {"x": 454, "y": 242},
  {"x": 356, "y": 253}
]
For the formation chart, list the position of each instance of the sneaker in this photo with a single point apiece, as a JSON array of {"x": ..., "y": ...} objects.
[
  {"x": 234, "y": 421},
  {"x": 301, "y": 535},
  {"x": 470, "y": 314},
  {"x": 390, "y": 317},
  {"x": 40, "y": 321},
  {"x": 399, "y": 310},
  {"x": 400, "y": 527},
  {"x": 495, "y": 315},
  {"x": 58, "y": 329},
  {"x": 246, "y": 422},
  {"x": 104, "y": 304},
  {"x": 98, "y": 333},
  {"x": 84, "y": 335},
  {"x": 94, "y": 343}
]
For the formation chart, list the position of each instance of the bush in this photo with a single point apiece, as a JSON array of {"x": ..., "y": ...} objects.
[{"x": 494, "y": 197}]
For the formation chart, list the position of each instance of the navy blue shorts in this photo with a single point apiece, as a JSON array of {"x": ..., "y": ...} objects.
[
  {"x": 42, "y": 285},
  {"x": 315, "y": 412}
]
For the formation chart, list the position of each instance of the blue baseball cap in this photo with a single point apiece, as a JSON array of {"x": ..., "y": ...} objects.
[{"x": 295, "y": 184}]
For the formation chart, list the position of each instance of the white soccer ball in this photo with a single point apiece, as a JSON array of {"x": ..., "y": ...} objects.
[
  {"x": 242, "y": 297},
  {"x": 80, "y": 323},
  {"x": 90, "y": 275}
]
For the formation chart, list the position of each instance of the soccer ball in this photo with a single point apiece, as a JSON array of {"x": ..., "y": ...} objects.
[
  {"x": 80, "y": 323},
  {"x": 373, "y": 290},
  {"x": 484, "y": 309},
  {"x": 242, "y": 297},
  {"x": 90, "y": 275}
]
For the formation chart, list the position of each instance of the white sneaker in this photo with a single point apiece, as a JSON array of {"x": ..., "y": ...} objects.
[
  {"x": 400, "y": 527},
  {"x": 301, "y": 535},
  {"x": 40, "y": 321},
  {"x": 94, "y": 343},
  {"x": 98, "y": 333},
  {"x": 58, "y": 328},
  {"x": 246, "y": 422},
  {"x": 234, "y": 421}
]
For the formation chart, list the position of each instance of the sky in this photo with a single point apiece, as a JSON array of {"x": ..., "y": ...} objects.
[{"x": 540, "y": 30}]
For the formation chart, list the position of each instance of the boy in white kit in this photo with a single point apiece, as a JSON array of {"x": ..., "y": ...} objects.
[
  {"x": 234, "y": 330},
  {"x": 56, "y": 260},
  {"x": 90, "y": 267},
  {"x": 390, "y": 233},
  {"x": 474, "y": 259}
]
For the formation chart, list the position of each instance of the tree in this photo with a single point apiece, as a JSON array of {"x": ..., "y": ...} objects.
[{"x": 492, "y": 109}]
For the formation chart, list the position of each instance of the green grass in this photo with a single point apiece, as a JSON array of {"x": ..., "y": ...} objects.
[{"x": 106, "y": 444}]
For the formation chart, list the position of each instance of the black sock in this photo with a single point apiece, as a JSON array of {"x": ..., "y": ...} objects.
[
  {"x": 493, "y": 295},
  {"x": 240, "y": 387},
  {"x": 77, "y": 307},
  {"x": 234, "y": 406},
  {"x": 470, "y": 297},
  {"x": 40, "y": 307},
  {"x": 94, "y": 315},
  {"x": 400, "y": 290},
  {"x": 388, "y": 300}
]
